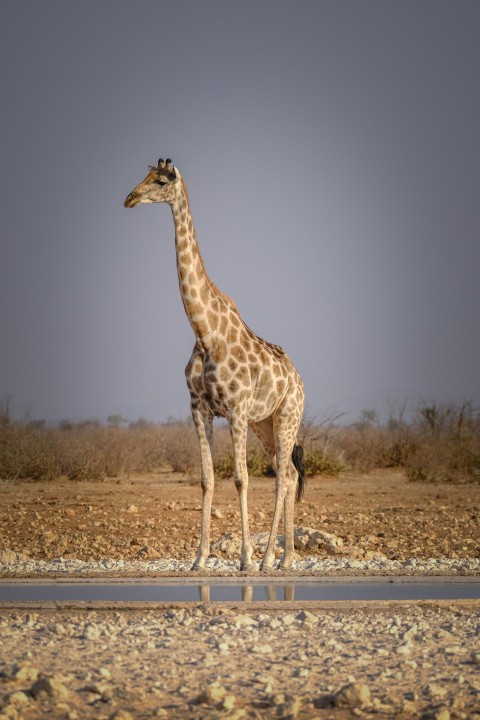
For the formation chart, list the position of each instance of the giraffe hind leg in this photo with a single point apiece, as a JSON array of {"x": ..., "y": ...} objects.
[
  {"x": 290, "y": 476},
  {"x": 265, "y": 435}
]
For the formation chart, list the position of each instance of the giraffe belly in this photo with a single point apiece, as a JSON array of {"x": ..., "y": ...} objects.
[
  {"x": 268, "y": 392},
  {"x": 259, "y": 409}
]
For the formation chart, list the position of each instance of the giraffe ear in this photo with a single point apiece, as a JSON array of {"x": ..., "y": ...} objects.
[{"x": 173, "y": 174}]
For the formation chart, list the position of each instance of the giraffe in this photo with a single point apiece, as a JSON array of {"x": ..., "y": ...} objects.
[{"x": 234, "y": 374}]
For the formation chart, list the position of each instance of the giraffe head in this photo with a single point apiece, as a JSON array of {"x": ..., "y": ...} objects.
[{"x": 160, "y": 185}]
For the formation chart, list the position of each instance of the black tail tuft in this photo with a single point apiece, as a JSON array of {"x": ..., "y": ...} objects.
[{"x": 297, "y": 459}]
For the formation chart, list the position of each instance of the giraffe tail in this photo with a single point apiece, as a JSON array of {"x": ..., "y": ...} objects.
[{"x": 297, "y": 459}]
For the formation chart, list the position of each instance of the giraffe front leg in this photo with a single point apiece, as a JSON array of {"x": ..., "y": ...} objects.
[
  {"x": 204, "y": 427},
  {"x": 238, "y": 431}
]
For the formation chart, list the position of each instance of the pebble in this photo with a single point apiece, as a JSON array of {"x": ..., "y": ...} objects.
[
  {"x": 290, "y": 708},
  {"x": 434, "y": 691},
  {"x": 305, "y": 616},
  {"x": 25, "y": 673},
  {"x": 453, "y": 650},
  {"x": 441, "y": 713},
  {"x": 475, "y": 657},
  {"x": 262, "y": 649},
  {"x": 121, "y": 714},
  {"x": 244, "y": 621},
  {"x": 212, "y": 694},
  {"x": 18, "y": 698},
  {"x": 52, "y": 687},
  {"x": 354, "y": 695},
  {"x": 91, "y": 632}
]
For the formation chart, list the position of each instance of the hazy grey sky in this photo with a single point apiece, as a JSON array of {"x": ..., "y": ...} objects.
[{"x": 332, "y": 155}]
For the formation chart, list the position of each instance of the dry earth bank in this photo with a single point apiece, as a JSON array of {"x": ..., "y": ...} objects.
[{"x": 158, "y": 516}]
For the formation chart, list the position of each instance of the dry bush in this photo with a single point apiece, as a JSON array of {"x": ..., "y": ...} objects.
[
  {"x": 77, "y": 451},
  {"x": 439, "y": 442},
  {"x": 364, "y": 449},
  {"x": 179, "y": 446},
  {"x": 322, "y": 453},
  {"x": 257, "y": 462},
  {"x": 447, "y": 443}
]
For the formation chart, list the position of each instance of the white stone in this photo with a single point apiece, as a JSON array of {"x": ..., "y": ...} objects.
[
  {"x": 355, "y": 695},
  {"x": 262, "y": 649}
]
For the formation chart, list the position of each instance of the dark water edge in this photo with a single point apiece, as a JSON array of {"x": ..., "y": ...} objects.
[{"x": 231, "y": 592}]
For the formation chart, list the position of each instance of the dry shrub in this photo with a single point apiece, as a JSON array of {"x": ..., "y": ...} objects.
[
  {"x": 77, "y": 451},
  {"x": 447, "y": 443},
  {"x": 322, "y": 454},
  {"x": 438, "y": 443},
  {"x": 257, "y": 462},
  {"x": 179, "y": 446},
  {"x": 441, "y": 442},
  {"x": 364, "y": 449}
]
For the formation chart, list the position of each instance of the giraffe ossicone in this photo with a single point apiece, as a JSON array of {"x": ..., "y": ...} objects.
[{"x": 232, "y": 373}]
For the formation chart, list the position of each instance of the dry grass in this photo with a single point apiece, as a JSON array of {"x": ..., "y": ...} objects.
[{"x": 439, "y": 442}]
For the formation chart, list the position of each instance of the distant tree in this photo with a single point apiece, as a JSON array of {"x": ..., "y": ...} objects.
[
  {"x": 367, "y": 419},
  {"x": 6, "y": 413},
  {"x": 116, "y": 420},
  {"x": 140, "y": 424},
  {"x": 37, "y": 424}
]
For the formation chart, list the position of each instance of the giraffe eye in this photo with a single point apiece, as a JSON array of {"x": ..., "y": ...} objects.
[{"x": 160, "y": 182}]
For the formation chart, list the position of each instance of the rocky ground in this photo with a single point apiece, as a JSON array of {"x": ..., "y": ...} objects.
[
  {"x": 158, "y": 516},
  {"x": 217, "y": 661}
]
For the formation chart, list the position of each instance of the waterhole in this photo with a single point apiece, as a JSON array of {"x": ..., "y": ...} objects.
[{"x": 234, "y": 590}]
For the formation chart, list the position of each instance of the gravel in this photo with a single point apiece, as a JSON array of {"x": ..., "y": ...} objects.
[
  {"x": 12, "y": 563},
  {"x": 329, "y": 664}
]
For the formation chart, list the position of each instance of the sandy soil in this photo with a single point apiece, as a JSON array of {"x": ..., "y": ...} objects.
[{"x": 158, "y": 516}]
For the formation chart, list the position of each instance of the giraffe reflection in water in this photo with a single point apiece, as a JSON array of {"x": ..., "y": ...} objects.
[{"x": 273, "y": 592}]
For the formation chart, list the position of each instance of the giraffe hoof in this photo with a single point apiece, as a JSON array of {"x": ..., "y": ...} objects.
[
  {"x": 286, "y": 561},
  {"x": 248, "y": 568},
  {"x": 267, "y": 562},
  {"x": 198, "y": 566},
  {"x": 266, "y": 567}
]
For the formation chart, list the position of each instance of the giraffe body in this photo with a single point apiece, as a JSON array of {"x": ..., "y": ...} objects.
[{"x": 232, "y": 373}]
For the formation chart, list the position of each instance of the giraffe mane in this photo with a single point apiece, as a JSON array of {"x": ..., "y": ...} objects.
[{"x": 209, "y": 281}]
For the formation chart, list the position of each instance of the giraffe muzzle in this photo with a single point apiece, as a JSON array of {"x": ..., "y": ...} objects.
[{"x": 131, "y": 200}]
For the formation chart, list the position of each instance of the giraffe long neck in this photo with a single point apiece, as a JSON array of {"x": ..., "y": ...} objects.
[{"x": 198, "y": 292}]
